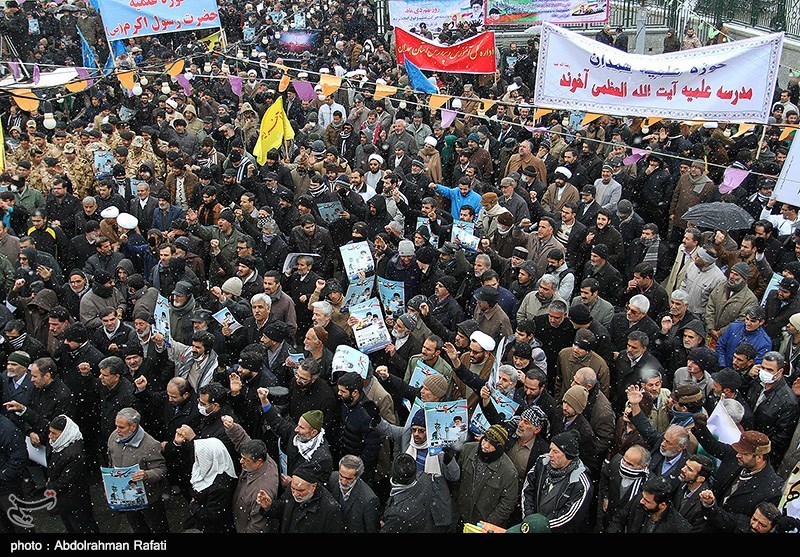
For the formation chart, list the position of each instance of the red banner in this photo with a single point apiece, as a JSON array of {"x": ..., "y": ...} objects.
[{"x": 474, "y": 55}]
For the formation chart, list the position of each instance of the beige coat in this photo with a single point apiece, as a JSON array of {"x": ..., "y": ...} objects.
[{"x": 721, "y": 311}]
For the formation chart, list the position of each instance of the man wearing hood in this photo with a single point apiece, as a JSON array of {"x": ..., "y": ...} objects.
[
  {"x": 193, "y": 124},
  {"x": 181, "y": 306}
]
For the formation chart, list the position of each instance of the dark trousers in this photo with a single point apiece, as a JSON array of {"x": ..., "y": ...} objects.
[
  {"x": 152, "y": 520},
  {"x": 79, "y": 521}
]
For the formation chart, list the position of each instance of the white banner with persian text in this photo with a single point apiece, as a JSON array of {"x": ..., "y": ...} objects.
[
  {"x": 730, "y": 82},
  {"x": 407, "y": 14},
  {"x": 787, "y": 188}
]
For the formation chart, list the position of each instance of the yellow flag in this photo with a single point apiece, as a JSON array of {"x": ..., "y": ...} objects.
[
  {"x": 212, "y": 40},
  {"x": 383, "y": 91},
  {"x": 77, "y": 86},
  {"x": 541, "y": 112},
  {"x": 126, "y": 79},
  {"x": 590, "y": 117},
  {"x": 275, "y": 128},
  {"x": 2, "y": 151},
  {"x": 437, "y": 101},
  {"x": 330, "y": 83}
]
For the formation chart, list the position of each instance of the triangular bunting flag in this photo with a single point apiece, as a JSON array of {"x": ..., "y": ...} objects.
[
  {"x": 651, "y": 121},
  {"x": 541, "y": 112},
  {"x": 787, "y": 131},
  {"x": 743, "y": 129},
  {"x": 127, "y": 80},
  {"x": 176, "y": 68},
  {"x": 487, "y": 104},
  {"x": 448, "y": 117},
  {"x": 284, "y": 83},
  {"x": 382, "y": 91},
  {"x": 732, "y": 179},
  {"x": 330, "y": 83},
  {"x": 590, "y": 117},
  {"x": 25, "y": 99},
  {"x": 437, "y": 101}
]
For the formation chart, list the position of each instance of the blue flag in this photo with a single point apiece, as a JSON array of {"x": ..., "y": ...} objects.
[
  {"x": 117, "y": 48},
  {"x": 417, "y": 79},
  {"x": 89, "y": 60}
]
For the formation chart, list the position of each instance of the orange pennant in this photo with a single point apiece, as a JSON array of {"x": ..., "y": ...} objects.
[
  {"x": 590, "y": 117},
  {"x": 743, "y": 129},
  {"x": 25, "y": 99},
  {"x": 284, "y": 83},
  {"x": 437, "y": 101},
  {"x": 541, "y": 112},
  {"x": 126, "y": 78},
  {"x": 383, "y": 91},
  {"x": 653, "y": 120},
  {"x": 176, "y": 68},
  {"x": 487, "y": 104},
  {"x": 77, "y": 86},
  {"x": 330, "y": 83}
]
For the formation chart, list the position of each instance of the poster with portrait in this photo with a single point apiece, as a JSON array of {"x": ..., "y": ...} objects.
[
  {"x": 357, "y": 259},
  {"x": 103, "y": 164},
  {"x": 464, "y": 233},
  {"x": 122, "y": 493},
  {"x": 412, "y": 410},
  {"x": 504, "y": 405},
  {"x": 330, "y": 211},
  {"x": 478, "y": 424},
  {"x": 290, "y": 262},
  {"x": 370, "y": 331},
  {"x": 161, "y": 318},
  {"x": 226, "y": 319},
  {"x": 393, "y": 295},
  {"x": 446, "y": 423},
  {"x": 358, "y": 291},
  {"x": 347, "y": 359}
]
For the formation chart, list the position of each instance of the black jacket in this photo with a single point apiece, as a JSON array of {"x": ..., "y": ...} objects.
[
  {"x": 321, "y": 461},
  {"x": 358, "y": 436},
  {"x": 68, "y": 475},
  {"x": 318, "y": 515},
  {"x": 47, "y": 403},
  {"x": 167, "y": 418},
  {"x": 361, "y": 510},
  {"x": 609, "y": 279},
  {"x": 776, "y": 416},
  {"x": 211, "y": 509},
  {"x": 632, "y": 519},
  {"x": 449, "y": 313},
  {"x": 21, "y": 394},
  {"x": 13, "y": 457},
  {"x": 409, "y": 512}
]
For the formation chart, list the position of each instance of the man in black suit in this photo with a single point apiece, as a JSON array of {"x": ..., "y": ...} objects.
[
  {"x": 607, "y": 276},
  {"x": 630, "y": 368},
  {"x": 360, "y": 506},
  {"x": 635, "y": 318},
  {"x": 143, "y": 206},
  {"x": 695, "y": 476},
  {"x": 668, "y": 453},
  {"x": 588, "y": 207},
  {"x": 654, "y": 512},
  {"x": 572, "y": 234},
  {"x": 300, "y": 285}
]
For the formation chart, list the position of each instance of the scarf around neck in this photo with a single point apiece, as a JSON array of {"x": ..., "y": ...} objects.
[
  {"x": 432, "y": 465},
  {"x": 307, "y": 448}
]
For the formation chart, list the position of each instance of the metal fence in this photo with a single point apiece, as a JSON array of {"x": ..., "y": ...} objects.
[{"x": 767, "y": 15}]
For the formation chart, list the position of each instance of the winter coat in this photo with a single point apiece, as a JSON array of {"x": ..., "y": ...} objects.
[
  {"x": 92, "y": 304},
  {"x": 632, "y": 520},
  {"x": 47, "y": 403},
  {"x": 776, "y": 416},
  {"x": 68, "y": 475},
  {"x": 318, "y": 515},
  {"x": 566, "y": 504},
  {"x": 490, "y": 496},
  {"x": 321, "y": 461},
  {"x": 145, "y": 451},
  {"x": 210, "y": 510},
  {"x": 721, "y": 310},
  {"x": 361, "y": 510},
  {"x": 13, "y": 457}
]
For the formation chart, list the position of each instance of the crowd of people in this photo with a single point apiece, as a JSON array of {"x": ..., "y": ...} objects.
[{"x": 615, "y": 325}]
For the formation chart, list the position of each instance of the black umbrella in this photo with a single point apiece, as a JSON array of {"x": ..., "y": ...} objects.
[{"x": 718, "y": 216}]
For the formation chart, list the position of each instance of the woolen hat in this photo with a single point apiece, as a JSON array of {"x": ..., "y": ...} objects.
[
  {"x": 315, "y": 419},
  {"x": 795, "y": 321},
  {"x": 417, "y": 301},
  {"x": 601, "y": 250},
  {"x": 523, "y": 350},
  {"x": 228, "y": 215},
  {"x": 404, "y": 469},
  {"x": 705, "y": 358},
  {"x": 506, "y": 219},
  {"x": 437, "y": 384},
  {"x": 577, "y": 397},
  {"x": 497, "y": 435},
  {"x": 419, "y": 418},
  {"x": 742, "y": 269},
  {"x": 568, "y": 441},
  {"x": 76, "y": 333},
  {"x": 426, "y": 255},
  {"x": 277, "y": 331},
  {"x": 409, "y": 320},
  {"x": 788, "y": 285},
  {"x": 451, "y": 284},
  {"x": 580, "y": 314},
  {"x": 405, "y": 248},
  {"x": 20, "y": 357},
  {"x": 232, "y": 286},
  {"x": 624, "y": 208}
]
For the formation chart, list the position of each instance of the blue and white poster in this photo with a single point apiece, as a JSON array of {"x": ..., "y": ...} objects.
[
  {"x": 122, "y": 493},
  {"x": 446, "y": 423},
  {"x": 393, "y": 295},
  {"x": 330, "y": 211},
  {"x": 421, "y": 371},
  {"x": 358, "y": 291},
  {"x": 357, "y": 259},
  {"x": 347, "y": 359},
  {"x": 370, "y": 331},
  {"x": 464, "y": 233},
  {"x": 161, "y": 318},
  {"x": 103, "y": 164}
]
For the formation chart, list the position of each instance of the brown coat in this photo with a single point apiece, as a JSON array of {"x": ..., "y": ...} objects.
[
  {"x": 568, "y": 365},
  {"x": 189, "y": 183},
  {"x": 516, "y": 163},
  {"x": 684, "y": 198}
]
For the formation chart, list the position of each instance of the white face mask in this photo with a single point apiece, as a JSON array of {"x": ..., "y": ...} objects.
[
  {"x": 766, "y": 377},
  {"x": 202, "y": 409}
]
